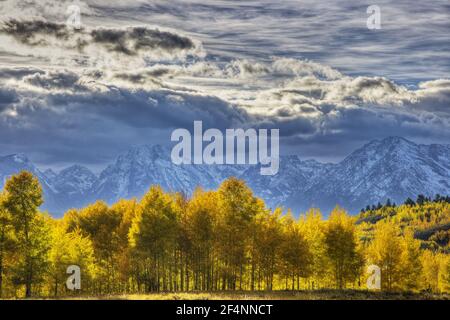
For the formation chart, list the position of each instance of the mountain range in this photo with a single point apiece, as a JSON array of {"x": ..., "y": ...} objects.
[{"x": 393, "y": 168}]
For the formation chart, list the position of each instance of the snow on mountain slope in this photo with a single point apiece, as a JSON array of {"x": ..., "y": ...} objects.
[
  {"x": 134, "y": 172},
  {"x": 15, "y": 163},
  {"x": 74, "y": 180},
  {"x": 294, "y": 176},
  {"x": 392, "y": 168}
]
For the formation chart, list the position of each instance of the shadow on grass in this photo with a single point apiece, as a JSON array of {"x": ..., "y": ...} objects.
[{"x": 325, "y": 294}]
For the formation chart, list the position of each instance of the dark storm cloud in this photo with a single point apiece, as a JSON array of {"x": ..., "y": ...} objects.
[
  {"x": 340, "y": 135},
  {"x": 63, "y": 116},
  {"x": 142, "y": 77},
  {"x": 25, "y": 31},
  {"x": 7, "y": 97},
  {"x": 135, "y": 39},
  {"x": 130, "y": 41},
  {"x": 54, "y": 80},
  {"x": 57, "y": 118}
]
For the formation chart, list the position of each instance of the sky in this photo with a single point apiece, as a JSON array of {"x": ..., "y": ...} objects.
[{"x": 137, "y": 70}]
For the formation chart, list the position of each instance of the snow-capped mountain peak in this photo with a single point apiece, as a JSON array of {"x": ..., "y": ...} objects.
[
  {"x": 393, "y": 168},
  {"x": 75, "y": 179}
]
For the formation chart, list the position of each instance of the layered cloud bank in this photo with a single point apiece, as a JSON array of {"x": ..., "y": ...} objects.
[{"x": 83, "y": 95}]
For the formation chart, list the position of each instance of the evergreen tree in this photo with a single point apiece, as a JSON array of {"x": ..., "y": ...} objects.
[
  {"x": 421, "y": 199},
  {"x": 388, "y": 203}
]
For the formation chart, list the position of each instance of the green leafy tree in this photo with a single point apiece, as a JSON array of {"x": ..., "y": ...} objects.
[
  {"x": 6, "y": 237},
  {"x": 23, "y": 198}
]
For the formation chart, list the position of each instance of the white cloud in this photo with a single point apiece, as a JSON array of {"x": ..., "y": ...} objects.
[
  {"x": 45, "y": 9},
  {"x": 120, "y": 80}
]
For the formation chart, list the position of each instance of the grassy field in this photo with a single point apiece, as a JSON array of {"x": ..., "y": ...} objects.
[{"x": 278, "y": 295}]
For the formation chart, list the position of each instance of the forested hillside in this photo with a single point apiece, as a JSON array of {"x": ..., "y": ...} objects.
[
  {"x": 221, "y": 240},
  {"x": 428, "y": 219}
]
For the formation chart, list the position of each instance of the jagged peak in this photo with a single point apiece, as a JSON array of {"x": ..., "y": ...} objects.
[
  {"x": 140, "y": 166},
  {"x": 385, "y": 143},
  {"x": 17, "y": 157},
  {"x": 153, "y": 150},
  {"x": 396, "y": 140},
  {"x": 76, "y": 169},
  {"x": 50, "y": 173},
  {"x": 312, "y": 162}
]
